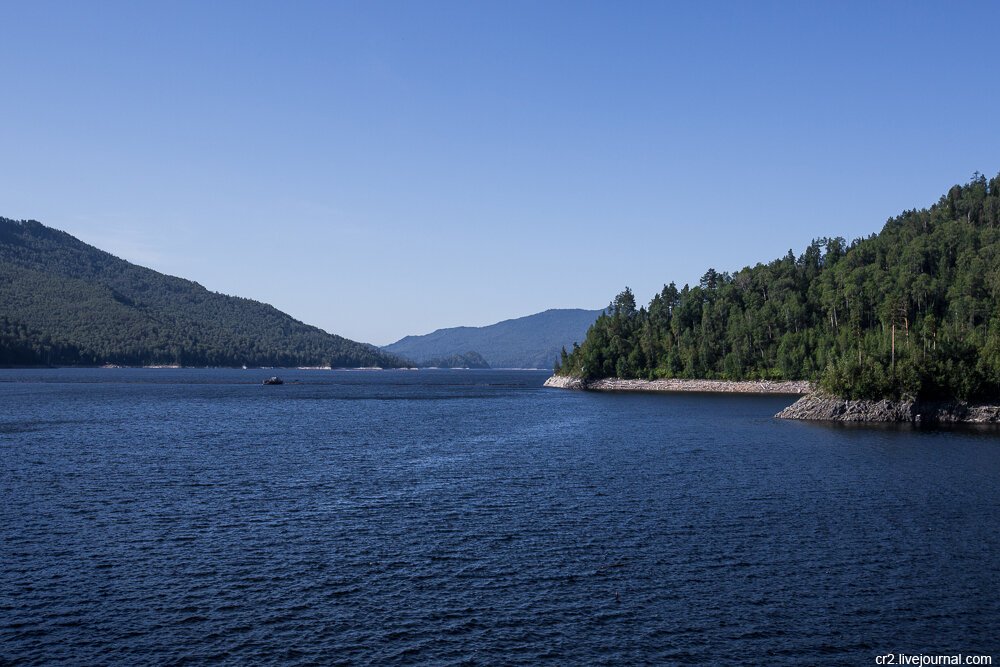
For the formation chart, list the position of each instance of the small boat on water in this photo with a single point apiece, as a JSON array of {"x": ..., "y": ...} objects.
[{"x": 274, "y": 379}]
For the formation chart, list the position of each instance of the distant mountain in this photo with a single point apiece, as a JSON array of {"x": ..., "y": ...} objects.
[
  {"x": 526, "y": 342},
  {"x": 63, "y": 302},
  {"x": 467, "y": 360}
]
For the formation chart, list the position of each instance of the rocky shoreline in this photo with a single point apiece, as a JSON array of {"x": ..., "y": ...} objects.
[
  {"x": 821, "y": 406},
  {"x": 814, "y": 404},
  {"x": 678, "y": 385}
]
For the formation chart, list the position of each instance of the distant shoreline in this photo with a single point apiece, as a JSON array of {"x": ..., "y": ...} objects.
[{"x": 676, "y": 385}]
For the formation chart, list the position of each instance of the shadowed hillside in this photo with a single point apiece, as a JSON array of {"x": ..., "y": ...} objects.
[{"x": 63, "y": 302}]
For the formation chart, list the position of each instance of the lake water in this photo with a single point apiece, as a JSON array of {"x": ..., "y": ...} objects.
[{"x": 473, "y": 517}]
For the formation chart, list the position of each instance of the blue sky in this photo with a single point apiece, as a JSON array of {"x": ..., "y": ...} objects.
[{"x": 382, "y": 169}]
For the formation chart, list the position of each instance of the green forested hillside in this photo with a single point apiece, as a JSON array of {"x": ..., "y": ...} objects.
[
  {"x": 912, "y": 310},
  {"x": 469, "y": 359},
  {"x": 64, "y": 302}
]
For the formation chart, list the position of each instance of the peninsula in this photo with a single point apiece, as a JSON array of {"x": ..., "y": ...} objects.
[{"x": 903, "y": 325}]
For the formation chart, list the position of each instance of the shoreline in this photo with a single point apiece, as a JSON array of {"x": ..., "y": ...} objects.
[
  {"x": 676, "y": 385},
  {"x": 820, "y": 406},
  {"x": 23, "y": 367},
  {"x": 813, "y": 403},
  {"x": 156, "y": 367}
]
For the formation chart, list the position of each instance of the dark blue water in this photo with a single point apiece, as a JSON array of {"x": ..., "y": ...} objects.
[{"x": 463, "y": 517}]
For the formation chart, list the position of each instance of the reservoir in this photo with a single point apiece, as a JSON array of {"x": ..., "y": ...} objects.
[{"x": 474, "y": 517}]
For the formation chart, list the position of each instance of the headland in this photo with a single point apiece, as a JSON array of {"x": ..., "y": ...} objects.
[{"x": 683, "y": 386}]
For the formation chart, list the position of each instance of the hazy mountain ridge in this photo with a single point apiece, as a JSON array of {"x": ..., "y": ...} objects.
[
  {"x": 533, "y": 341},
  {"x": 65, "y": 302}
]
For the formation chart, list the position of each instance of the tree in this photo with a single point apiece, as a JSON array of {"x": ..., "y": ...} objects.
[{"x": 842, "y": 314}]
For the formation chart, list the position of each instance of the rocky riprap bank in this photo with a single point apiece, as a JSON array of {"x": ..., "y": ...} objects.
[
  {"x": 815, "y": 405},
  {"x": 821, "y": 406},
  {"x": 677, "y": 385}
]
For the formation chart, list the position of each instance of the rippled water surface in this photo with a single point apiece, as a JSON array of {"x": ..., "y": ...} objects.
[{"x": 165, "y": 516}]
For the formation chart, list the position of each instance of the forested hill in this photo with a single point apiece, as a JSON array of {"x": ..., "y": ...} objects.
[
  {"x": 532, "y": 341},
  {"x": 470, "y": 359},
  {"x": 63, "y": 302},
  {"x": 912, "y": 310}
]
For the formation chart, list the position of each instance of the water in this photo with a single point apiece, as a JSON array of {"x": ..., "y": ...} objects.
[{"x": 473, "y": 517}]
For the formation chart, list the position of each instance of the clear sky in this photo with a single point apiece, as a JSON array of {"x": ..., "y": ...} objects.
[{"x": 382, "y": 169}]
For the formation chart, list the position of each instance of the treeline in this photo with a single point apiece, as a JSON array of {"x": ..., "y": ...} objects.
[
  {"x": 470, "y": 359},
  {"x": 913, "y": 310},
  {"x": 63, "y": 302}
]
